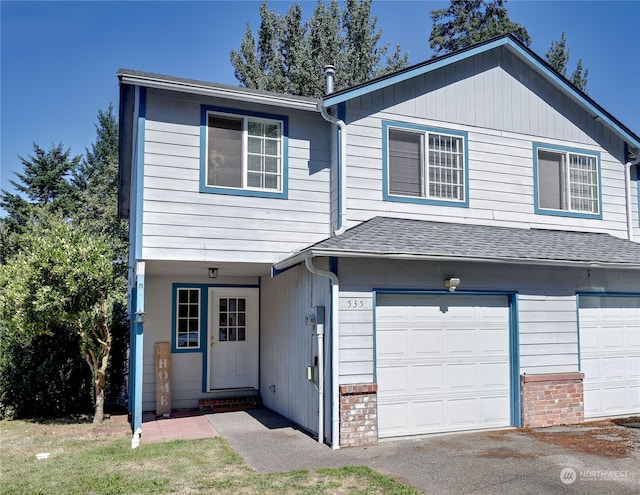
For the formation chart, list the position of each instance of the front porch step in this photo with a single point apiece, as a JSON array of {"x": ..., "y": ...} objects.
[{"x": 208, "y": 406}]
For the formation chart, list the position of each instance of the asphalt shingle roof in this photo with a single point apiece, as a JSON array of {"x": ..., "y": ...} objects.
[{"x": 403, "y": 237}]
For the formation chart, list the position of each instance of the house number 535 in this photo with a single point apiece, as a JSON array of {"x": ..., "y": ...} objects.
[{"x": 355, "y": 303}]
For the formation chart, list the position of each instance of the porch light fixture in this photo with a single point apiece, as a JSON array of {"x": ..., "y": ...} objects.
[
  {"x": 139, "y": 317},
  {"x": 452, "y": 284},
  {"x": 213, "y": 273}
]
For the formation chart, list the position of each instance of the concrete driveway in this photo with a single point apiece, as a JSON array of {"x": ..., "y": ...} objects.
[{"x": 593, "y": 458}]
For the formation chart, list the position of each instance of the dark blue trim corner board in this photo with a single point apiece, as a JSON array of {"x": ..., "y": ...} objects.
[{"x": 238, "y": 191}]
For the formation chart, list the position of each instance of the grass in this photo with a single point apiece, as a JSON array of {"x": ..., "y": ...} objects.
[{"x": 85, "y": 461}]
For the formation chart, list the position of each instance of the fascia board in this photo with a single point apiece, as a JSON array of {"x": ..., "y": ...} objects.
[
  {"x": 228, "y": 93},
  {"x": 300, "y": 257}
]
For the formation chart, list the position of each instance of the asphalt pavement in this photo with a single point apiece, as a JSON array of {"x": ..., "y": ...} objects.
[{"x": 513, "y": 461}]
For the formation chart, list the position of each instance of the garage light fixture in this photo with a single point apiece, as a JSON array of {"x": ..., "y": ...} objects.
[
  {"x": 452, "y": 283},
  {"x": 213, "y": 273}
]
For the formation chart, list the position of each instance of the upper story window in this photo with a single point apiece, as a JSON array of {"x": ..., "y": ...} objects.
[
  {"x": 567, "y": 181},
  {"x": 425, "y": 165},
  {"x": 243, "y": 154}
]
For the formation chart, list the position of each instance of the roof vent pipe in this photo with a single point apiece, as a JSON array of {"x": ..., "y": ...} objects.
[{"x": 329, "y": 72}]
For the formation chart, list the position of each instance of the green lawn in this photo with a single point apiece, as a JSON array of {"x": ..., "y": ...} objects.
[{"x": 86, "y": 461}]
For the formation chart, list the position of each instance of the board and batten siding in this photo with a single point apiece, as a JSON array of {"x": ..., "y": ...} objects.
[
  {"x": 505, "y": 107},
  {"x": 180, "y": 222},
  {"x": 288, "y": 345}
]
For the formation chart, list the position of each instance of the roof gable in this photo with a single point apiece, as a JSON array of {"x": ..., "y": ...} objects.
[{"x": 514, "y": 46}]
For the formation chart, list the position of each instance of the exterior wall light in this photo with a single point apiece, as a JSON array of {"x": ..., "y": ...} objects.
[
  {"x": 139, "y": 317},
  {"x": 213, "y": 273},
  {"x": 452, "y": 284}
]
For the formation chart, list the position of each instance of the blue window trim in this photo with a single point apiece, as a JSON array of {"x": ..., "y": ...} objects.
[
  {"x": 565, "y": 213},
  {"x": 386, "y": 124},
  {"x": 204, "y": 188},
  {"x": 514, "y": 337}
]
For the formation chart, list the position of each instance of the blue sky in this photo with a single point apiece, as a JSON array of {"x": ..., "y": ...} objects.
[{"x": 59, "y": 59}]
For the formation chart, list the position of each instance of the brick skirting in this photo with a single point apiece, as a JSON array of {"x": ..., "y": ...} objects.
[
  {"x": 358, "y": 415},
  {"x": 552, "y": 399}
]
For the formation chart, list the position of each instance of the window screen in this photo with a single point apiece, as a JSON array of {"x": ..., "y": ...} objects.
[
  {"x": 405, "y": 163},
  {"x": 225, "y": 152}
]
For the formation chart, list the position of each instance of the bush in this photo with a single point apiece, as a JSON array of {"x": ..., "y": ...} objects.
[{"x": 42, "y": 376}]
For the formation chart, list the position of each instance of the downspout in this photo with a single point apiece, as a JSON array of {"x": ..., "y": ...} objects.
[
  {"x": 329, "y": 72},
  {"x": 335, "y": 405},
  {"x": 627, "y": 188}
]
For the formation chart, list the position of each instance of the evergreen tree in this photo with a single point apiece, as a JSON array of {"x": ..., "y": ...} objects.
[
  {"x": 467, "y": 22},
  {"x": 325, "y": 41},
  {"x": 289, "y": 54},
  {"x": 558, "y": 58},
  {"x": 579, "y": 77},
  {"x": 45, "y": 183}
]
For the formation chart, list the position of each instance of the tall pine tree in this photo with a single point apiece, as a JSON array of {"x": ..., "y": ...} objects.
[
  {"x": 289, "y": 55},
  {"x": 558, "y": 58},
  {"x": 467, "y": 22}
]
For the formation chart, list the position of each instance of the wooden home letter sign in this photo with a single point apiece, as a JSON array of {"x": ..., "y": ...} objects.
[{"x": 163, "y": 378}]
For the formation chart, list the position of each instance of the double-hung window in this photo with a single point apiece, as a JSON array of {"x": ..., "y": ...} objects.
[
  {"x": 243, "y": 154},
  {"x": 567, "y": 181},
  {"x": 425, "y": 164}
]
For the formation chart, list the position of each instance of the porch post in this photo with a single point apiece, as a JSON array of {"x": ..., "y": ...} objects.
[{"x": 137, "y": 357}]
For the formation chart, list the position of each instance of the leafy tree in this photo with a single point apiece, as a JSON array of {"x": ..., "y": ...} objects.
[
  {"x": 96, "y": 180},
  {"x": 558, "y": 58},
  {"x": 467, "y": 22},
  {"x": 289, "y": 55},
  {"x": 63, "y": 281},
  {"x": 81, "y": 192}
]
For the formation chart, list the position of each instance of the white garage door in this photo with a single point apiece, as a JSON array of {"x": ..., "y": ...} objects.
[
  {"x": 442, "y": 363},
  {"x": 610, "y": 355}
]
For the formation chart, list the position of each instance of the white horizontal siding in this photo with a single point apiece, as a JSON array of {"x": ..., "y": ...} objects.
[
  {"x": 356, "y": 337},
  {"x": 505, "y": 107},
  {"x": 182, "y": 223},
  {"x": 548, "y": 328}
]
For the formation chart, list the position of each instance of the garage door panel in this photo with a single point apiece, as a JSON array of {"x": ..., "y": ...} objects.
[
  {"x": 428, "y": 378},
  {"x": 610, "y": 355},
  {"x": 427, "y": 342},
  {"x": 394, "y": 378},
  {"x": 461, "y": 341},
  {"x": 494, "y": 375},
  {"x": 456, "y": 366},
  {"x": 460, "y": 377}
]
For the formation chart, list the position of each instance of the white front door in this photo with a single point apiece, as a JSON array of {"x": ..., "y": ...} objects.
[{"x": 233, "y": 338}]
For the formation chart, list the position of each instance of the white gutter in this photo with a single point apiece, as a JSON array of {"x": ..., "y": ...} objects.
[
  {"x": 335, "y": 405},
  {"x": 231, "y": 93},
  {"x": 294, "y": 260},
  {"x": 342, "y": 162}
]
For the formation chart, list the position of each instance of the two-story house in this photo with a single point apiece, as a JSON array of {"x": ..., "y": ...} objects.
[{"x": 446, "y": 248}]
